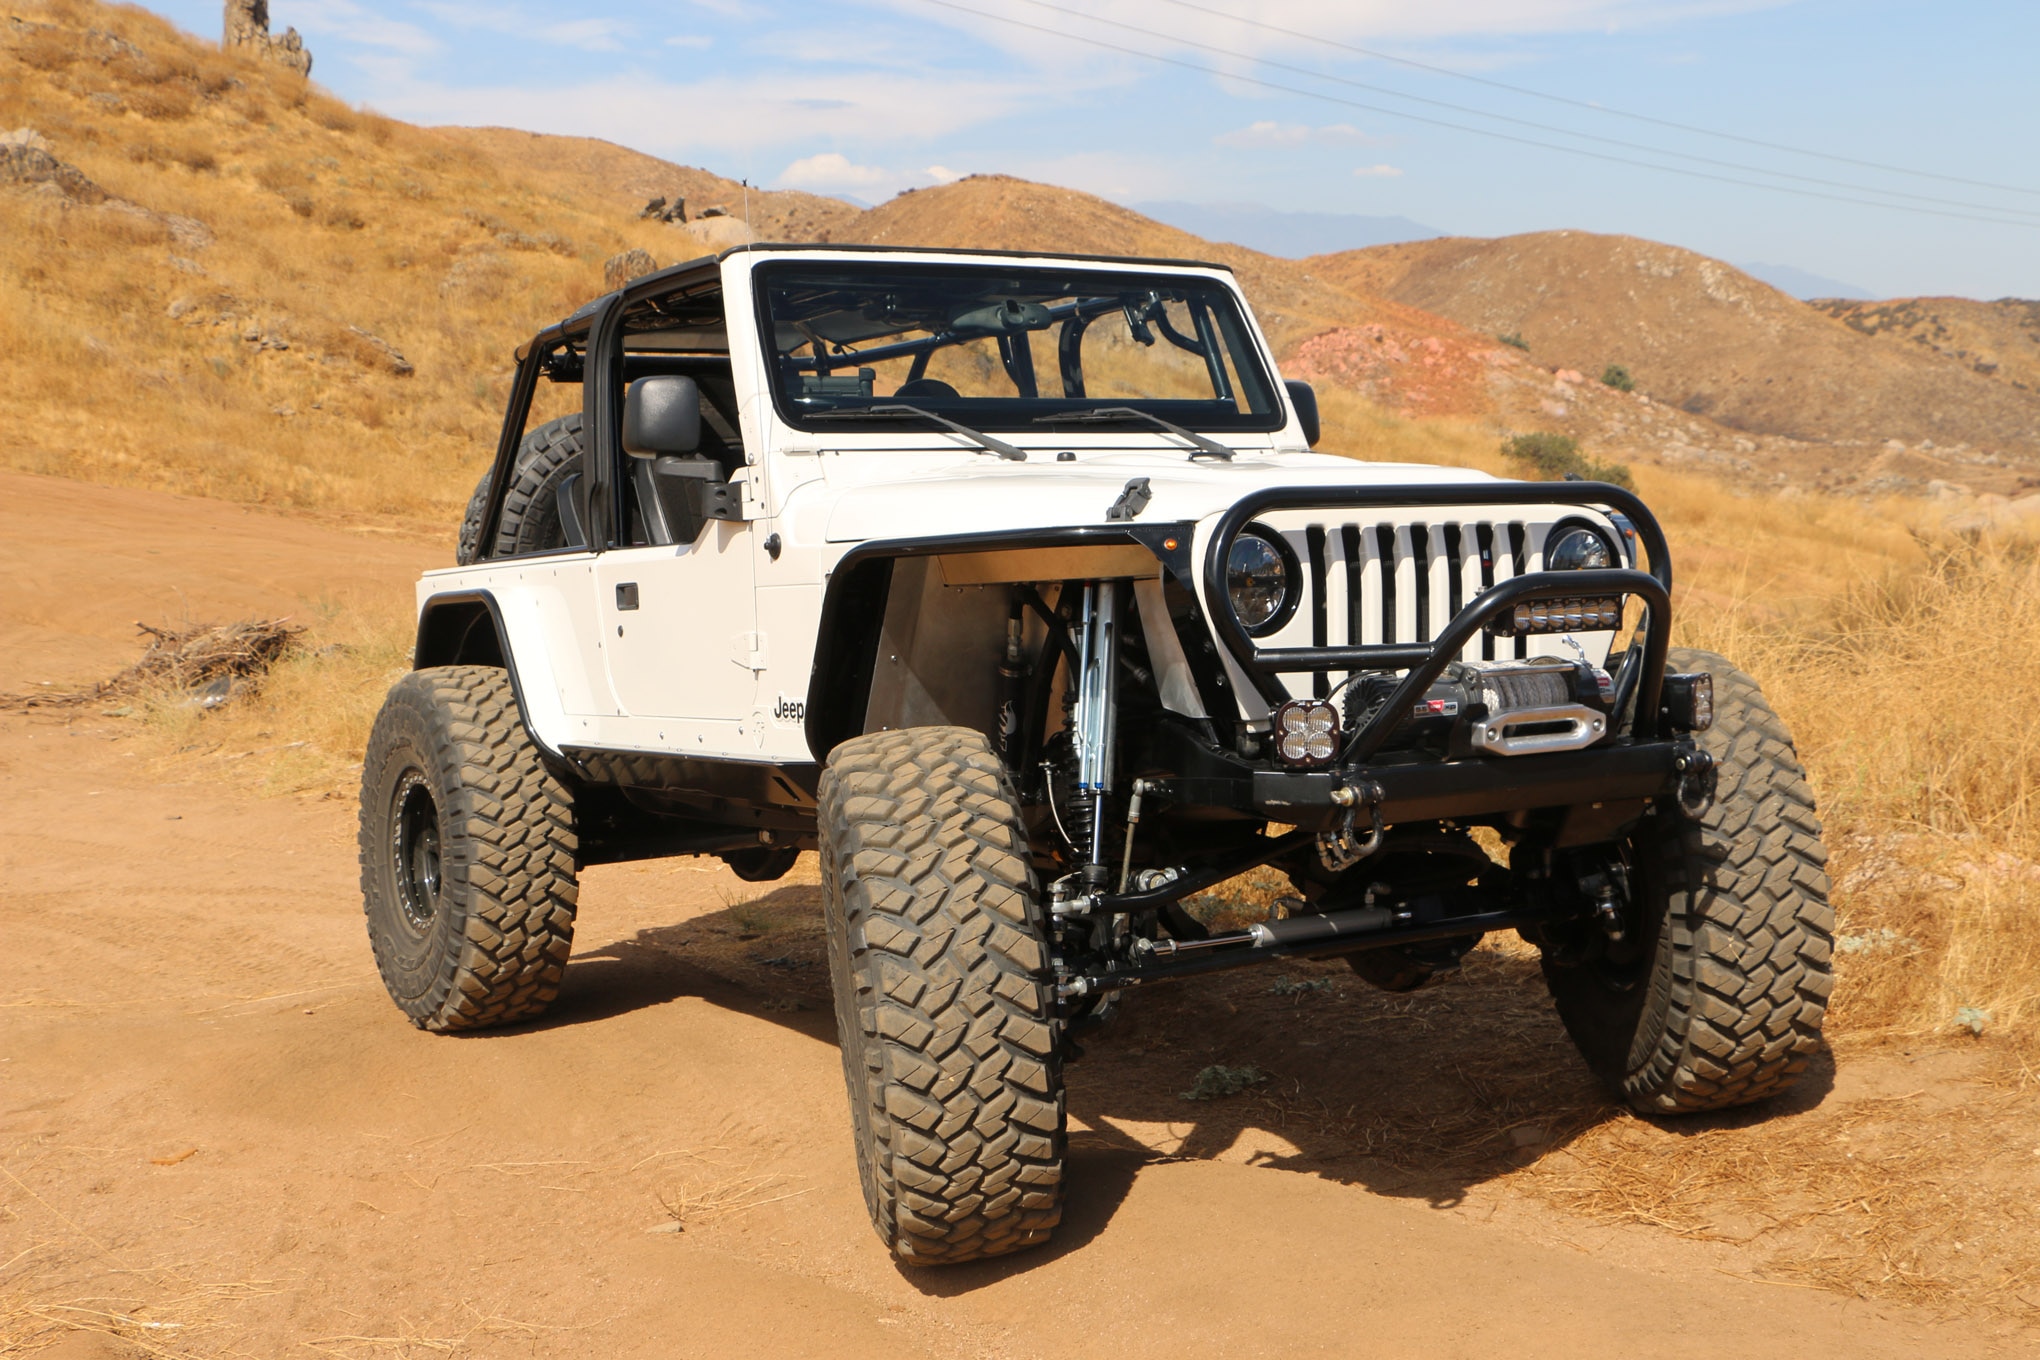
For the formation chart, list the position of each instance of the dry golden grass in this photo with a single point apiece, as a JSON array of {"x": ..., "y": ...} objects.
[
  {"x": 346, "y": 236},
  {"x": 304, "y": 729}
]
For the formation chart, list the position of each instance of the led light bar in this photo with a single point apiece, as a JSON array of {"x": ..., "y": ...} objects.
[
  {"x": 1306, "y": 733},
  {"x": 1596, "y": 614}
]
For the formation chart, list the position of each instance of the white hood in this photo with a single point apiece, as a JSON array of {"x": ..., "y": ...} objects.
[{"x": 982, "y": 495}]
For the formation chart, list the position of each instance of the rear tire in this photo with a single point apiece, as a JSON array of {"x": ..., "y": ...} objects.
[
  {"x": 1722, "y": 999},
  {"x": 530, "y": 521},
  {"x": 467, "y": 853},
  {"x": 938, "y": 951}
]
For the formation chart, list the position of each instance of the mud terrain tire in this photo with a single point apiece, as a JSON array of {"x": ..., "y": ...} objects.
[
  {"x": 938, "y": 951},
  {"x": 530, "y": 521},
  {"x": 1724, "y": 1001},
  {"x": 467, "y": 853}
]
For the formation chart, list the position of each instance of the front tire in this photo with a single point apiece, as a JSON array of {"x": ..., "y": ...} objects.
[
  {"x": 1720, "y": 999},
  {"x": 939, "y": 955},
  {"x": 467, "y": 852}
]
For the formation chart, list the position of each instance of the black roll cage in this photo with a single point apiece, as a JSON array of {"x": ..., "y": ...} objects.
[{"x": 597, "y": 328}]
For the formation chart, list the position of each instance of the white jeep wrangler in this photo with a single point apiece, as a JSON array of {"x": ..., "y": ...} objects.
[{"x": 1010, "y": 584}]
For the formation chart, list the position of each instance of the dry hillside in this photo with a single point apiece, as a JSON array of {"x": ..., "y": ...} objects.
[
  {"x": 621, "y": 181},
  {"x": 1712, "y": 341},
  {"x": 313, "y": 306},
  {"x": 1998, "y": 339}
]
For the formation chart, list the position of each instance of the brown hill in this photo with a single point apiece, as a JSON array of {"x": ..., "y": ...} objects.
[
  {"x": 1699, "y": 335},
  {"x": 280, "y": 285},
  {"x": 1997, "y": 339},
  {"x": 999, "y": 212},
  {"x": 623, "y": 180}
]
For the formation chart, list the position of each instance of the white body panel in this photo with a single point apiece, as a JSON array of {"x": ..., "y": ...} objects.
[{"x": 716, "y": 660}]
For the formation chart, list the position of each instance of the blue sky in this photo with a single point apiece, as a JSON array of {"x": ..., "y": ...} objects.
[{"x": 866, "y": 97}]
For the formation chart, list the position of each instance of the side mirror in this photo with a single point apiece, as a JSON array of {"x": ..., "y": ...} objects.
[
  {"x": 1304, "y": 398},
  {"x": 661, "y": 415}
]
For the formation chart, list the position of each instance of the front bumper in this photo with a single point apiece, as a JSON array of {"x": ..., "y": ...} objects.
[
  {"x": 1599, "y": 787},
  {"x": 1419, "y": 790}
]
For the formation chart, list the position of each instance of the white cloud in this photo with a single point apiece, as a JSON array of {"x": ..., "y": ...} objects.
[
  {"x": 1354, "y": 21},
  {"x": 833, "y": 172},
  {"x": 589, "y": 34},
  {"x": 694, "y": 40},
  {"x": 1267, "y": 134},
  {"x": 716, "y": 116},
  {"x": 1382, "y": 171},
  {"x": 349, "y": 22}
]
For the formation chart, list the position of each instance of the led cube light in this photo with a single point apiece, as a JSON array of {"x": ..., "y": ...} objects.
[
  {"x": 1306, "y": 733},
  {"x": 1689, "y": 700}
]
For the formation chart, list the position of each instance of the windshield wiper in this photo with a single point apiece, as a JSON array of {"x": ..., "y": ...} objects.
[
  {"x": 986, "y": 444},
  {"x": 1100, "y": 415}
]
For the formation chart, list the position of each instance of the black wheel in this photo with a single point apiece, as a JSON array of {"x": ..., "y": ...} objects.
[
  {"x": 530, "y": 521},
  {"x": 1716, "y": 994},
  {"x": 938, "y": 951},
  {"x": 467, "y": 853}
]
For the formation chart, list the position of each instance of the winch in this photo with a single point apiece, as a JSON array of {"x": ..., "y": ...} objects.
[{"x": 1504, "y": 708}]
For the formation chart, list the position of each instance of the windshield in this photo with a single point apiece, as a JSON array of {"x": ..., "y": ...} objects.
[{"x": 1001, "y": 348}]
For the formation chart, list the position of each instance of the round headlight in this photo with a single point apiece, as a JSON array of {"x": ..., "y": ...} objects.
[
  {"x": 1259, "y": 582},
  {"x": 1577, "y": 549}
]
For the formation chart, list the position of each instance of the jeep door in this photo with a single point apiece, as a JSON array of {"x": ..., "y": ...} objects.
[{"x": 679, "y": 626}]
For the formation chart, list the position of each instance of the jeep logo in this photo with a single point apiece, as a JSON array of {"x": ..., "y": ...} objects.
[{"x": 789, "y": 710}]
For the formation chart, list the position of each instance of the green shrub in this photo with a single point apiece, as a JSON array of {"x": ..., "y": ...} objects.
[
  {"x": 1556, "y": 456},
  {"x": 1515, "y": 338},
  {"x": 1219, "y": 1081},
  {"x": 1617, "y": 377}
]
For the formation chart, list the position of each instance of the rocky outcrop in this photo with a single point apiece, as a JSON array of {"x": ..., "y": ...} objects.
[
  {"x": 246, "y": 29},
  {"x": 618, "y": 270},
  {"x": 27, "y": 162},
  {"x": 25, "y": 159},
  {"x": 659, "y": 210},
  {"x": 369, "y": 344}
]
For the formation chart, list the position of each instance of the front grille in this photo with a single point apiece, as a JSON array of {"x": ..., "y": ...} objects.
[{"x": 1387, "y": 583}]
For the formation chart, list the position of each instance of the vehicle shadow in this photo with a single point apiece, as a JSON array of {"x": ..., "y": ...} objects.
[{"x": 1298, "y": 1066}]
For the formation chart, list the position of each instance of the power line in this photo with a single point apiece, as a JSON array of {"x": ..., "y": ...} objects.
[
  {"x": 1319, "y": 95},
  {"x": 1937, "y": 201},
  {"x": 1592, "y": 107}
]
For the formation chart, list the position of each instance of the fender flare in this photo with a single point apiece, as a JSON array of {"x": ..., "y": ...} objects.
[
  {"x": 465, "y": 628},
  {"x": 854, "y": 605}
]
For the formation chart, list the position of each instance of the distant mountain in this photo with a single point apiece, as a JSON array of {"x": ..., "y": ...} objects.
[
  {"x": 1291, "y": 235},
  {"x": 1803, "y": 284}
]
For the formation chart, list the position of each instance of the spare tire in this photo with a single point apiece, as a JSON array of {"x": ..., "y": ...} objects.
[{"x": 530, "y": 521}]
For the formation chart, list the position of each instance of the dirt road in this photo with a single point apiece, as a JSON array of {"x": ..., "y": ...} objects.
[{"x": 218, "y": 1137}]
